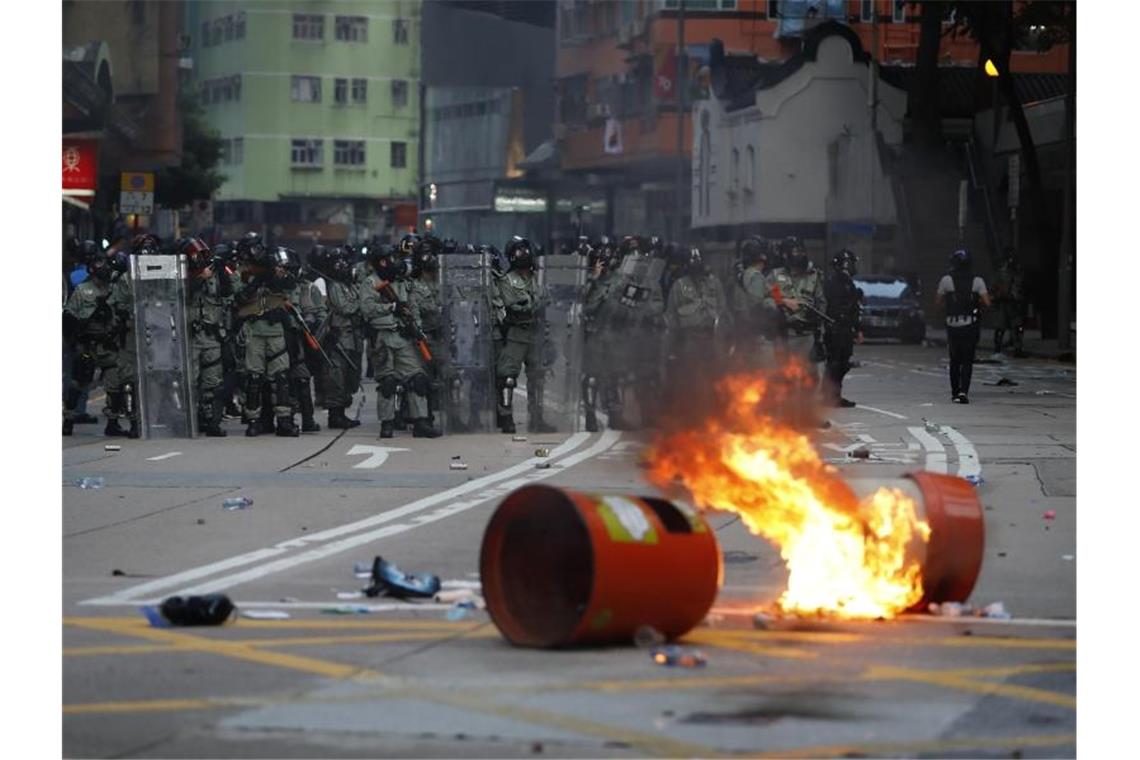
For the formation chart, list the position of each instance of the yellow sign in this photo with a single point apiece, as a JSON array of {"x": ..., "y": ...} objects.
[{"x": 137, "y": 182}]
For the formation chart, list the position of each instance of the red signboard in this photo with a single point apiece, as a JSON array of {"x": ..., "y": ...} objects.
[
  {"x": 80, "y": 166},
  {"x": 404, "y": 214}
]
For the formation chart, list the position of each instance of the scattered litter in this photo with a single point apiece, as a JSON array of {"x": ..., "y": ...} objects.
[
  {"x": 201, "y": 521},
  {"x": 461, "y": 610},
  {"x": 457, "y": 456},
  {"x": 1001, "y": 554},
  {"x": 112, "y": 447},
  {"x": 452, "y": 596},
  {"x": 975, "y": 480},
  {"x": 542, "y": 466},
  {"x": 346, "y": 609},
  {"x": 536, "y": 748},
  {"x": 208, "y": 609},
  {"x": 288, "y": 599},
  {"x": 647, "y": 636},
  {"x": 457, "y": 466},
  {"x": 518, "y": 438},
  {"x": 1043, "y": 393},
  {"x": 861, "y": 453},
  {"x": 713, "y": 619},
  {"x": 265, "y": 614},
  {"x": 350, "y": 595},
  {"x": 544, "y": 452},
  {"x": 89, "y": 482},
  {"x": 994, "y": 610},
  {"x": 117, "y": 571},
  {"x": 681, "y": 657},
  {"x": 387, "y": 579},
  {"x": 1050, "y": 514},
  {"x": 931, "y": 427},
  {"x": 1003, "y": 381},
  {"x": 1068, "y": 557},
  {"x": 763, "y": 621},
  {"x": 928, "y": 403},
  {"x": 948, "y": 609},
  {"x": 236, "y": 502}
]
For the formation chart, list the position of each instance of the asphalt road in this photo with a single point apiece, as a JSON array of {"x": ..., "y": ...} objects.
[{"x": 403, "y": 680}]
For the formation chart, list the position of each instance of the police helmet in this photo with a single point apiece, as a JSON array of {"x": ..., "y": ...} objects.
[
  {"x": 845, "y": 261},
  {"x": 424, "y": 261},
  {"x": 960, "y": 260},
  {"x": 146, "y": 244},
  {"x": 384, "y": 262},
  {"x": 197, "y": 253},
  {"x": 250, "y": 248},
  {"x": 520, "y": 253},
  {"x": 408, "y": 243},
  {"x": 754, "y": 250}
]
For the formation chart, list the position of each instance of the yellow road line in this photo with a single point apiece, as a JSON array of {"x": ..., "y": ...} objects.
[
  {"x": 938, "y": 678},
  {"x": 238, "y": 651},
  {"x": 332, "y": 623},
  {"x": 931, "y": 747},
  {"x": 709, "y": 637},
  {"x": 146, "y": 705},
  {"x": 940, "y": 641},
  {"x": 1012, "y": 670},
  {"x": 364, "y": 638},
  {"x": 121, "y": 649}
]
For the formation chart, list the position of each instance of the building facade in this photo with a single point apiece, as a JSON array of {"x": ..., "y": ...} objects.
[{"x": 317, "y": 103}]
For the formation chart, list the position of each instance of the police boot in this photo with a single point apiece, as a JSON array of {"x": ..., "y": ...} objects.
[
  {"x": 422, "y": 428},
  {"x": 387, "y": 429},
  {"x": 112, "y": 429},
  {"x": 85, "y": 419},
  {"x": 338, "y": 421},
  {"x": 286, "y": 428},
  {"x": 504, "y": 416},
  {"x": 134, "y": 431},
  {"x": 67, "y": 426},
  {"x": 590, "y": 403},
  {"x": 253, "y": 429},
  {"x": 305, "y": 401}
]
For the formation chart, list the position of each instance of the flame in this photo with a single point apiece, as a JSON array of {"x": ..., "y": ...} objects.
[{"x": 845, "y": 557}]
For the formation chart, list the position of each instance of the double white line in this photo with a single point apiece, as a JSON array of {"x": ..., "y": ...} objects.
[
  {"x": 294, "y": 552},
  {"x": 968, "y": 463}
]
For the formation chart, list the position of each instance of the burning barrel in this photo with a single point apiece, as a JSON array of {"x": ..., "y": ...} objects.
[
  {"x": 560, "y": 567},
  {"x": 952, "y": 559}
]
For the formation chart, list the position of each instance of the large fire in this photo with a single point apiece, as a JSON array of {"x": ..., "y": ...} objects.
[{"x": 845, "y": 557}]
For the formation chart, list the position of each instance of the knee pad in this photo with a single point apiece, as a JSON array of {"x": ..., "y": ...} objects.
[
  {"x": 420, "y": 383},
  {"x": 389, "y": 386},
  {"x": 509, "y": 382}
]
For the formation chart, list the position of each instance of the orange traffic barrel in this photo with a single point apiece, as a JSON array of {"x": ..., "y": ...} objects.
[
  {"x": 560, "y": 567},
  {"x": 952, "y": 559}
]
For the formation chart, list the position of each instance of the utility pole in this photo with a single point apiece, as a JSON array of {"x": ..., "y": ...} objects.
[
  {"x": 682, "y": 86},
  {"x": 1067, "y": 254},
  {"x": 872, "y": 147}
]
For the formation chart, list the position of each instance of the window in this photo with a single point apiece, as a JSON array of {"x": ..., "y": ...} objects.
[
  {"x": 308, "y": 152},
  {"x": 399, "y": 93},
  {"x": 352, "y": 28},
  {"x": 217, "y": 32},
  {"x": 399, "y": 155},
  {"x": 734, "y": 182},
  {"x": 898, "y": 13},
  {"x": 236, "y": 85},
  {"x": 239, "y": 25},
  {"x": 138, "y": 12},
  {"x": 348, "y": 152},
  {"x": 866, "y": 10},
  {"x": 205, "y": 39},
  {"x": 750, "y": 170},
  {"x": 702, "y": 5},
  {"x": 238, "y": 152},
  {"x": 400, "y": 31},
  {"x": 359, "y": 91},
  {"x": 340, "y": 91},
  {"x": 226, "y": 152},
  {"x": 307, "y": 89},
  {"x": 228, "y": 25},
  {"x": 308, "y": 27},
  {"x": 204, "y": 93}
]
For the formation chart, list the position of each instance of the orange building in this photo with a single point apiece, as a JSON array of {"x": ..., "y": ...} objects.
[{"x": 616, "y": 119}]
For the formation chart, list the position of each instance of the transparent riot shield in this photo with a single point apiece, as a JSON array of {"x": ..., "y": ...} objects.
[
  {"x": 467, "y": 370},
  {"x": 563, "y": 278},
  {"x": 165, "y": 393}
]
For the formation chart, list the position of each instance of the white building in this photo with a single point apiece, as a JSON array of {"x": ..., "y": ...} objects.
[{"x": 792, "y": 144}]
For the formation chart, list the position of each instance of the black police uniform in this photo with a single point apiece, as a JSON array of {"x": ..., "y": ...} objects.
[{"x": 843, "y": 300}]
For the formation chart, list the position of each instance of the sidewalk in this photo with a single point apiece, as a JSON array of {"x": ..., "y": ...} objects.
[{"x": 1034, "y": 345}]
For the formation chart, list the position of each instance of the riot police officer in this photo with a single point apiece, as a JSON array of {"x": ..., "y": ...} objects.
[
  {"x": 423, "y": 296},
  {"x": 842, "y": 331},
  {"x": 603, "y": 261},
  {"x": 1007, "y": 297},
  {"x": 306, "y": 309},
  {"x": 342, "y": 342},
  {"x": 517, "y": 305},
  {"x": 802, "y": 301},
  {"x": 89, "y": 326},
  {"x": 211, "y": 287},
  {"x": 962, "y": 293},
  {"x": 696, "y": 318},
  {"x": 122, "y": 301},
  {"x": 395, "y": 338},
  {"x": 757, "y": 320},
  {"x": 225, "y": 257},
  {"x": 263, "y": 314}
]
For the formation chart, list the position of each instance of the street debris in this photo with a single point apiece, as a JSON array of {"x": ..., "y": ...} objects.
[
  {"x": 461, "y": 610},
  {"x": 931, "y": 427},
  {"x": 1050, "y": 514},
  {"x": 237, "y": 502},
  {"x": 518, "y": 438},
  {"x": 265, "y": 614},
  {"x": 860, "y": 453},
  {"x": 647, "y": 636},
  {"x": 542, "y": 466},
  {"x": 974, "y": 480},
  {"x": 112, "y": 447},
  {"x": 1043, "y": 392},
  {"x": 994, "y": 610},
  {"x": 348, "y": 595},
  {"x": 1068, "y": 557},
  {"x": 763, "y": 621},
  {"x": 201, "y": 521},
  {"x": 1001, "y": 554},
  {"x": 389, "y": 580},
  {"x": 208, "y": 609},
  {"x": 89, "y": 483},
  {"x": 346, "y": 609},
  {"x": 678, "y": 656},
  {"x": 457, "y": 466},
  {"x": 543, "y": 452},
  {"x": 453, "y": 596},
  {"x": 117, "y": 571},
  {"x": 1003, "y": 381}
]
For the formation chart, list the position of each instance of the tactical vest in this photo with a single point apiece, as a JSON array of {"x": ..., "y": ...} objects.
[{"x": 963, "y": 301}]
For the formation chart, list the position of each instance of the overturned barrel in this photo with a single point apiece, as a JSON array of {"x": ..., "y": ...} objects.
[
  {"x": 560, "y": 567},
  {"x": 952, "y": 559}
]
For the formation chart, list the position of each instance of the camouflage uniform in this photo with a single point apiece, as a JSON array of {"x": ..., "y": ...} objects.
[
  {"x": 634, "y": 324},
  {"x": 307, "y": 298},
  {"x": 208, "y": 315},
  {"x": 124, "y": 385},
  {"x": 396, "y": 362},
  {"x": 516, "y": 305},
  {"x": 598, "y": 377},
  {"x": 423, "y": 296},
  {"x": 90, "y": 319},
  {"x": 341, "y": 379},
  {"x": 696, "y": 317},
  {"x": 261, "y": 309}
]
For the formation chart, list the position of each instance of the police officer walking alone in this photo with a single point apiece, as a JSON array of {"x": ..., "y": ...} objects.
[
  {"x": 842, "y": 332},
  {"x": 961, "y": 292}
]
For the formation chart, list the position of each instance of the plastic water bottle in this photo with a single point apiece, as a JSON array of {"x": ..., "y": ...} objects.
[
  {"x": 236, "y": 502},
  {"x": 89, "y": 482}
]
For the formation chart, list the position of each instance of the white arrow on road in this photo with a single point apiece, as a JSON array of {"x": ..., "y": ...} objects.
[{"x": 377, "y": 455}]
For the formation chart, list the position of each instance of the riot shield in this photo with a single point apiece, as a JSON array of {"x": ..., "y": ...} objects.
[
  {"x": 165, "y": 392},
  {"x": 563, "y": 278},
  {"x": 467, "y": 370}
]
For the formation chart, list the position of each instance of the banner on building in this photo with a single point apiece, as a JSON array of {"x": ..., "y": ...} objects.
[{"x": 80, "y": 167}]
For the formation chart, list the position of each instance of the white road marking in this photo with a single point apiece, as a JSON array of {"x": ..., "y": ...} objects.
[
  {"x": 968, "y": 463},
  {"x": 160, "y": 457},
  {"x": 377, "y": 455},
  {"x": 896, "y": 415},
  {"x": 970, "y": 620},
  {"x": 935, "y": 451},
  {"x": 342, "y": 605},
  {"x": 865, "y": 438},
  {"x": 130, "y": 595}
]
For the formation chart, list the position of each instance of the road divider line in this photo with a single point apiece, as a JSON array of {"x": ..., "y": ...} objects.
[
  {"x": 935, "y": 451},
  {"x": 167, "y": 455},
  {"x": 968, "y": 463},
  {"x": 132, "y": 594},
  {"x": 896, "y": 415},
  {"x": 607, "y": 439}
]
